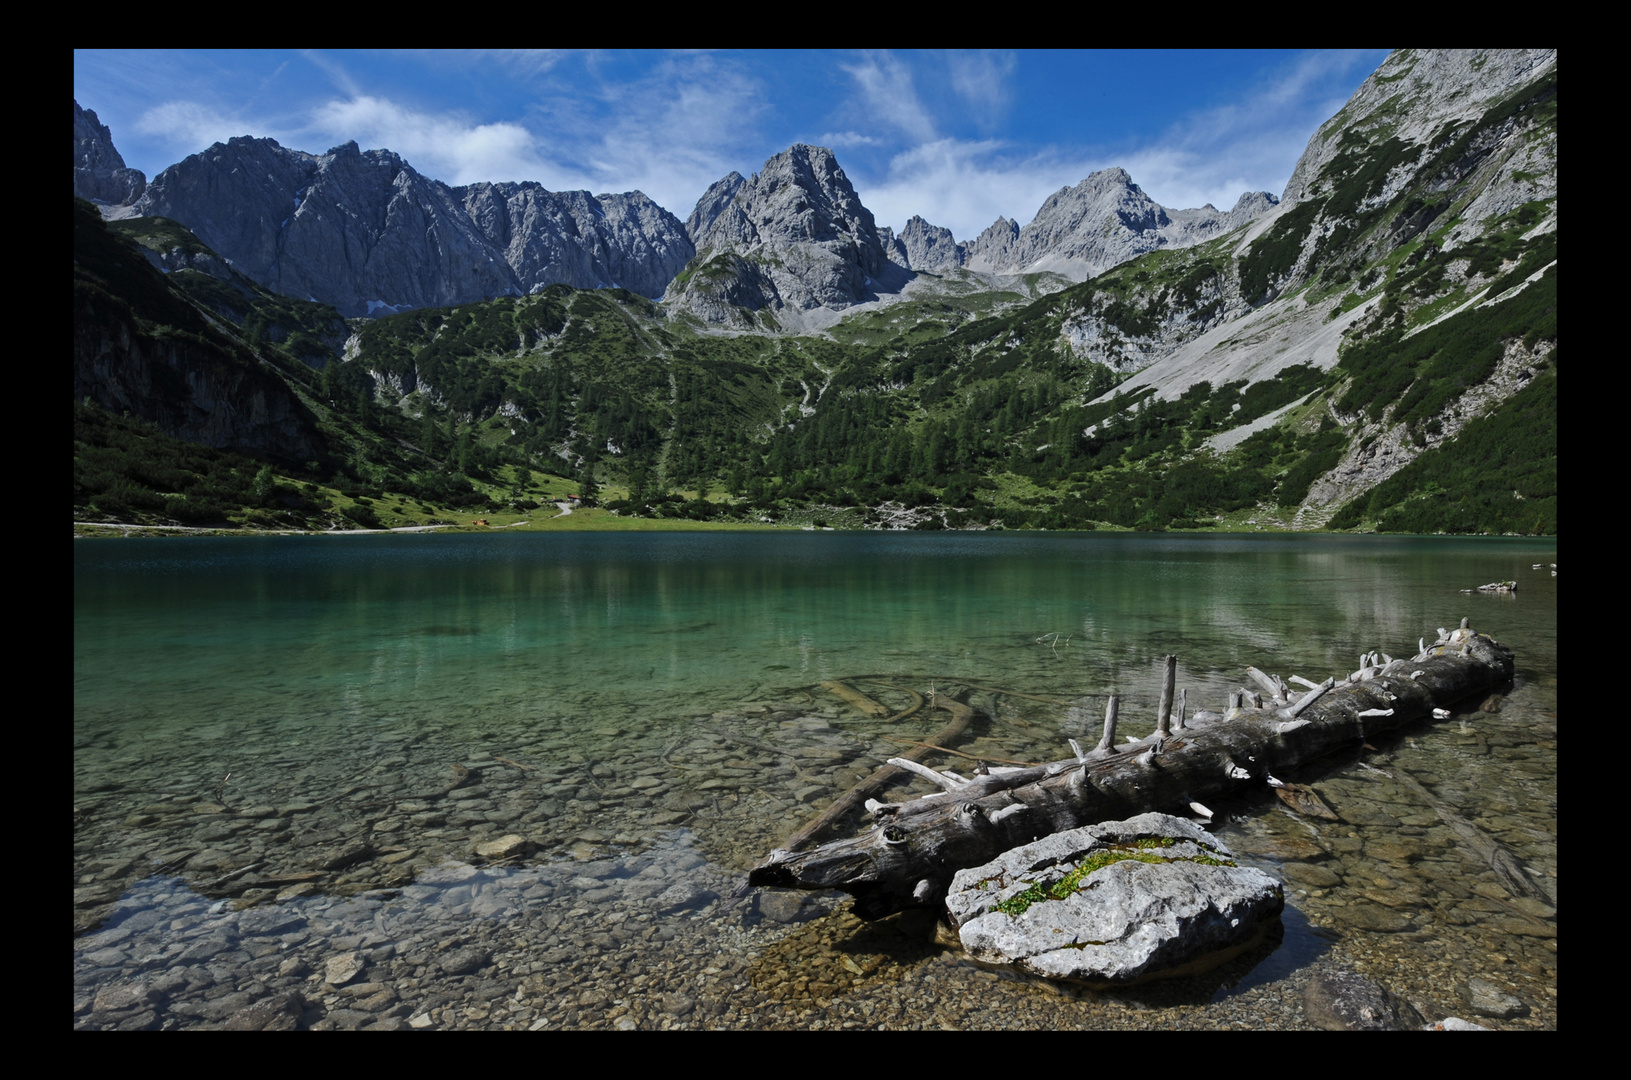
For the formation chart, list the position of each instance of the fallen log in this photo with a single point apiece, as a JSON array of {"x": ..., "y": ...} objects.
[{"x": 914, "y": 848}]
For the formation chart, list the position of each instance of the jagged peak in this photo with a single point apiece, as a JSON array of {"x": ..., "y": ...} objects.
[{"x": 1105, "y": 177}]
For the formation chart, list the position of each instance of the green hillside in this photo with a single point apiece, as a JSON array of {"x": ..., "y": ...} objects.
[{"x": 965, "y": 406}]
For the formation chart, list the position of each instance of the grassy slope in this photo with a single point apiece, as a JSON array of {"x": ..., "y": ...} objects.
[{"x": 973, "y": 409}]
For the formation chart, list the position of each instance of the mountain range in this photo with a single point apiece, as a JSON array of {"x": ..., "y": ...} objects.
[
  {"x": 365, "y": 232},
  {"x": 1376, "y": 348}
]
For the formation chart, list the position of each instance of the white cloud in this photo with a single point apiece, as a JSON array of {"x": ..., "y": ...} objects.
[
  {"x": 842, "y": 140},
  {"x": 674, "y": 125},
  {"x": 187, "y": 125},
  {"x": 887, "y": 96},
  {"x": 981, "y": 80},
  {"x": 671, "y": 133},
  {"x": 448, "y": 146}
]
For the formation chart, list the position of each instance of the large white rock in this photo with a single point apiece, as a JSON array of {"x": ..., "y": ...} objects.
[{"x": 1167, "y": 894}]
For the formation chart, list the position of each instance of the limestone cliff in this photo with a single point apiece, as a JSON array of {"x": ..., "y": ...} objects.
[
  {"x": 364, "y": 231},
  {"x": 792, "y": 238},
  {"x": 100, "y": 174}
]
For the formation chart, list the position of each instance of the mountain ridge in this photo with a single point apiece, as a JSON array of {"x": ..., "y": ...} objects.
[
  {"x": 364, "y": 231},
  {"x": 270, "y": 211},
  {"x": 1378, "y": 352}
]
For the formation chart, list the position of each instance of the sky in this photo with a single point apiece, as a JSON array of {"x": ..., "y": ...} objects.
[{"x": 959, "y": 138}]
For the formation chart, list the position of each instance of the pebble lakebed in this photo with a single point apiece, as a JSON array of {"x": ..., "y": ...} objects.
[{"x": 620, "y": 916}]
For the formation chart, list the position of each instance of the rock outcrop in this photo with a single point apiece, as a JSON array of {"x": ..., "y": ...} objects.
[
  {"x": 100, "y": 174},
  {"x": 364, "y": 231},
  {"x": 1112, "y": 902},
  {"x": 1417, "y": 96},
  {"x": 930, "y": 247},
  {"x": 792, "y": 238}
]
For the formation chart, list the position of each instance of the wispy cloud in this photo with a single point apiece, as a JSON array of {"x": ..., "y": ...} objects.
[
  {"x": 670, "y": 132},
  {"x": 336, "y": 72},
  {"x": 840, "y": 140},
  {"x": 887, "y": 96},
  {"x": 1216, "y": 154},
  {"x": 983, "y": 81},
  {"x": 450, "y": 147},
  {"x": 188, "y": 124}
]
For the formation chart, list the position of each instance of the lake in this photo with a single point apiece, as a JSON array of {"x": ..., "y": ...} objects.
[{"x": 286, "y": 751}]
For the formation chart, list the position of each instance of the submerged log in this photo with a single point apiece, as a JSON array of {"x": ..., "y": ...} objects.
[
  {"x": 914, "y": 848},
  {"x": 961, "y": 717}
]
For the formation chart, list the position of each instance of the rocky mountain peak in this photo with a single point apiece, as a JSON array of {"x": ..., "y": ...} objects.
[
  {"x": 714, "y": 202},
  {"x": 798, "y": 232},
  {"x": 100, "y": 174},
  {"x": 930, "y": 247}
]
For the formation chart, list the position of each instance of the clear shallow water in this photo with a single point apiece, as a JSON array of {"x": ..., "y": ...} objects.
[{"x": 339, "y": 679}]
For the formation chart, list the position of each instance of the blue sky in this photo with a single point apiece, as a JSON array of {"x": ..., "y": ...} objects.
[{"x": 958, "y": 137}]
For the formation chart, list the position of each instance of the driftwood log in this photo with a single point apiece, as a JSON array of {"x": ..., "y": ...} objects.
[{"x": 914, "y": 848}]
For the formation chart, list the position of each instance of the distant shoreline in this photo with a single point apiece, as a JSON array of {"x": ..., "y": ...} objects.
[{"x": 115, "y": 530}]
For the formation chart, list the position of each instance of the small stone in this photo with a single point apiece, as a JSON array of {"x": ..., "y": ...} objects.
[
  {"x": 505, "y": 847},
  {"x": 1373, "y": 917},
  {"x": 1310, "y": 875},
  {"x": 1345, "y": 1001},
  {"x": 266, "y": 921},
  {"x": 280, "y": 1012},
  {"x": 350, "y": 855},
  {"x": 1486, "y": 999},
  {"x": 449, "y": 873},
  {"x": 681, "y": 897},
  {"x": 464, "y": 961},
  {"x": 784, "y": 905},
  {"x": 125, "y": 997},
  {"x": 342, "y": 969}
]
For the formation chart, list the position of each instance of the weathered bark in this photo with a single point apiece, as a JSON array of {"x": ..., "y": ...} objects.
[{"x": 914, "y": 848}]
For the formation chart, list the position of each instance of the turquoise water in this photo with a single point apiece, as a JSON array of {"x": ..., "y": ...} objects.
[
  {"x": 313, "y": 669},
  {"x": 180, "y": 631}
]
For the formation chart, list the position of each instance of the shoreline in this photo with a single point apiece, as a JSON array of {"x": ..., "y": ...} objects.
[{"x": 119, "y": 530}]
